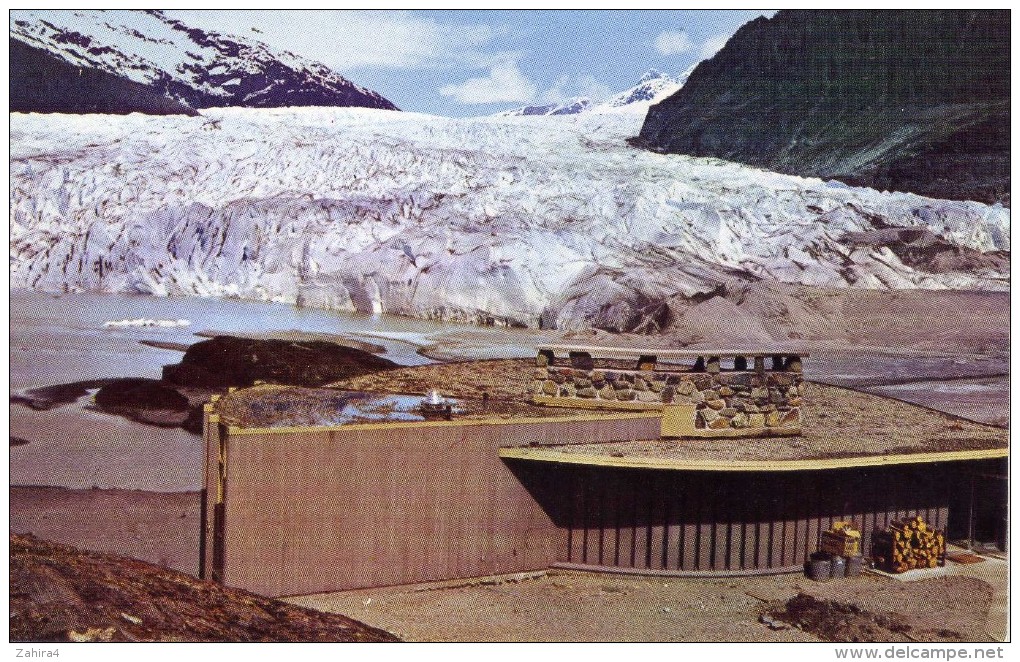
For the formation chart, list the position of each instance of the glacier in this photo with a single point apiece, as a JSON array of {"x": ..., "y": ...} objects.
[{"x": 551, "y": 222}]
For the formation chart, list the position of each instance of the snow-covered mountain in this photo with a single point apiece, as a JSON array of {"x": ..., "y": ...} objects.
[
  {"x": 196, "y": 68},
  {"x": 549, "y": 220},
  {"x": 653, "y": 87},
  {"x": 570, "y": 107}
]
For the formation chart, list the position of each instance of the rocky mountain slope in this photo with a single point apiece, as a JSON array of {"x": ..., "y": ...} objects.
[
  {"x": 898, "y": 100},
  {"x": 653, "y": 87},
  {"x": 544, "y": 221},
  {"x": 135, "y": 55},
  {"x": 59, "y": 593},
  {"x": 43, "y": 83}
]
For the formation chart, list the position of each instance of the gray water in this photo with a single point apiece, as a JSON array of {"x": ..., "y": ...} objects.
[
  {"x": 57, "y": 339},
  {"x": 60, "y": 339}
]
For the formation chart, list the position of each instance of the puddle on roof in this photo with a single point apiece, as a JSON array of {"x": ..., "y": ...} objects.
[{"x": 360, "y": 407}]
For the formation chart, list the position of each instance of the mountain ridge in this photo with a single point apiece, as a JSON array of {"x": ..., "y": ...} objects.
[
  {"x": 194, "y": 68},
  {"x": 912, "y": 101},
  {"x": 651, "y": 87}
]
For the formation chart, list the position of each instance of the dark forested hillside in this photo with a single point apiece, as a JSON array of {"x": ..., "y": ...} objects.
[{"x": 903, "y": 100}]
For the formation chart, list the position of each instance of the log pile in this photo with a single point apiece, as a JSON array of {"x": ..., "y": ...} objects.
[{"x": 908, "y": 544}]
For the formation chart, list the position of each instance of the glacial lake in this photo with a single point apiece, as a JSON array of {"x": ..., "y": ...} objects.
[{"x": 57, "y": 339}]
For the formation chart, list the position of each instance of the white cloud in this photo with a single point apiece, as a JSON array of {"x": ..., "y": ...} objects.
[
  {"x": 504, "y": 84},
  {"x": 672, "y": 42},
  {"x": 713, "y": 45},
  {"x": 567, "y": 87},
  {"x": 346, "y": 40}
]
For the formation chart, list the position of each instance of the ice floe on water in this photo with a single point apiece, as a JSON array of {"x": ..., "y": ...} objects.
[{"x": 142, "y": 322}]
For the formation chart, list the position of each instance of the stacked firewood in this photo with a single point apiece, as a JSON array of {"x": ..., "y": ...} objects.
[{"x": 908, "y": 544}]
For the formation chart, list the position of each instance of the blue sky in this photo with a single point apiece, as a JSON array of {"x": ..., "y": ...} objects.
[{"x": 462, "y": 63}]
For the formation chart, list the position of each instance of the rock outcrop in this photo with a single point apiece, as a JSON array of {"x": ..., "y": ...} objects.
[
  {"x": 60, "y": 593},
  {"x": 43, "y": 83},
  {"x": 912, "y": 101},
  {"x": 228, "y": 361}
]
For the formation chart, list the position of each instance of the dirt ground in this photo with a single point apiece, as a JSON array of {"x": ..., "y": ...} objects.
[
  {"x": 500, "y": 378},
  {"x": 963, "y": 602},
  {"x": 159, "y": 527},
  {"x": 576, "y": 606}
]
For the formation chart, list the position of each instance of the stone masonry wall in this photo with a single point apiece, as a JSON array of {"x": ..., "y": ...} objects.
[{"x": 730, "y": 399}]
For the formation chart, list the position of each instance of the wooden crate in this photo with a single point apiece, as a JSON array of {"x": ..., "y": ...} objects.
[{"x": 839, "y": 543}]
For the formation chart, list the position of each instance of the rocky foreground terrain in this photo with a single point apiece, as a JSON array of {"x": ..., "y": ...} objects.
[
  {"x": 59, "y": 593},
  {"x": 900, "y": 100}
]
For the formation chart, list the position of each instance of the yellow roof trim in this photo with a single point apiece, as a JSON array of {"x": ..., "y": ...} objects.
[
  {"x": 548, "y": 455},
  {"x": 235, "y": 430}
]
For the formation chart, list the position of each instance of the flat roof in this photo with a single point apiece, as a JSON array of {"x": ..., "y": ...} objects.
[
  {"x": 614, "y": 352},
  {"x": 840, "y": 428},
  {"x": 620, "y": 460}
]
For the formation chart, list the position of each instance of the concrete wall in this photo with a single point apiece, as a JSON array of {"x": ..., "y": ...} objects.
[{"x": 320, "y": 509}]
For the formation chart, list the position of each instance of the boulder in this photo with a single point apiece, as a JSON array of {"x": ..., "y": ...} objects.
[
  {"x": 228, "y": 361},
  {"x": 719, "y": 423},
  {"x": 141, "y": 394},
  {"x": 790, "y": 418}
]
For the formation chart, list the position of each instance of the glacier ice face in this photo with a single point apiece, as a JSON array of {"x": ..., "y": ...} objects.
[{"x": 532, "y": 221}]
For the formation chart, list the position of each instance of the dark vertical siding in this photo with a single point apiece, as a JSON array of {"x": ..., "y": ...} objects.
[
  {"x": 689, "y": 521},
  {"x": 319, "y": 510}
]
